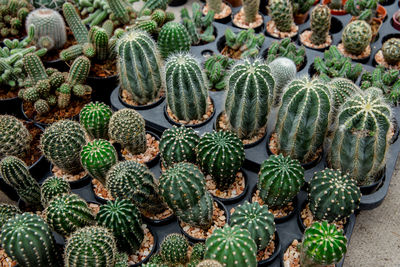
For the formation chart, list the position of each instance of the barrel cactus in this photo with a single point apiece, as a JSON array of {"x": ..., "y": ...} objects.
[
  {"x": 281, "y": 13},
  {"x": 94, "y": 118},
  {"x": 320, "y": 24},
  {"x": 391, "y": 51},
  {"x": 356, "y": 37},
  {"x": 7, "y": 212},
  {"x": 174, "y": 249},
  {"x": 53, "y": 187},
  {"x": 173, "y": 38},
  {"x": 198, "y": 252},
  {"x": 15, "y": 138}
]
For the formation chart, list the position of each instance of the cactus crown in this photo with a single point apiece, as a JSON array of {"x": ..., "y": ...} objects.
[
  {"x": 199, "y": 27},
  {"x": 320, "y": 24},
  {"x": 391, "y": 51},
  {"x": 53, "y": 187},
  {"x": 15, "y": 138},
  {"x": 94, "y": 118},
  {"x": 216, "y": 68},
  {"x": 286, "y": 48},
  {"x": 356, "y": 37},
  {"x": 174, "y": 249},
  {"x": 173, "y": 38}
]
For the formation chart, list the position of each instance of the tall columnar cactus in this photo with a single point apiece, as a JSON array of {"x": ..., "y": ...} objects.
[
  {"x": 178, "y": 144},
  {"x": 124, "y": 221},
  {"x": 232, "y": 246},
  {"x": 250, "y": 8},
  {"x": 173, "y": 38},
  {"x": 320, "y": 24},
  {"x": 122, "y": 11},
  {"x": 79, "y": 71},
  {"x": 15, "y": 138},
  {"x": 53, "y": 187},
  {"x": 199, "y": 27},
  {"x": 50, "y": 32},
  {"x": 174, "y": 249},
  {"x": 281, "y": 13},
  {"x": 27, "y": 239},
  {"x": 134, "y": 181},
  {"x": 192, "y": 204},
  {"x": 250, "y": 88},
  {"x": 303, "y": 119},
  {"x": 323, "y": 244},
  {"x": 16, "y": 174},
  {"x": 94, "y": 118},
  {"x": 391, "y": 51},
  {"x": 139, "y": 65},
  {"x": 7, "y": 212},
  {"x": 92, "y": 244},
  {"x": 79, "y": 29},
  {"x": 361, "y": 139},
  {"x": 127, "y": 127},
  {"x": 220, "y": 154},
  {"x": 97, "y": 158},
  {"x": 356, "y": 37},
  {"x": 61, "y": 143},
  {"x": 187, "y": 89},
  {"x": 214, "y": 5},
  {"x": 67, "y": 213},
  {"x": 333, "y": 196},
  {"x": 280, "y": 180},
  {"x": 257, "y": 220},
  {"x": 216, "y": 67},
  {"x": 284, "y": 71}
]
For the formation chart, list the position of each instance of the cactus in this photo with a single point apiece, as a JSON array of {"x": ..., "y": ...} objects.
[
  {"x": 51, "y": 4},
  {"x": 250, "y": 8},
  {"x": 221, "y": 155},
  {"x": 12, "y": 17},
  {"x": 362, "y": 9},
  {"x": 209, "y": 263},
  {"x": 286, "y": 48},
  {"x": 320, "y": 24},
  {"x": 192, "y": 204},
  {"x": 198, "y": 252},
  {"x": 244, "y": 44},
  {"x": 303, "y": 119},
  {"x": 301, "y": 6},
  {"x": 232, "y": 246},
  {"x": 364, "y": 125},
  {"x": 27, "y": 239},
  {"x": 216, "y": 68},
  {"x": 199, "y": 27},
  {"x": 187, "y": 90},
  {"x": 124, "y": 221},
  {"x": 94, "y": 118},
  {"x": 73, "y": 20},
  {"x": 134, "y": 181},
  {"x": 215, "y": 5},
  {"x": 247, "y": 103},
  {"x": 15, "y": 139},
  {"x": 174, "y": 249},
  {"x": 356, "y": 37},
  {"x": 61, "y": 143},
  {"x": 280, "y": 180},
  {"x": 121, "y": 260},
  {"x": 323, "y": 244},
  {"x": 92, "y": 244},
  {"x": 78, "y": 71},
  {"x": 122, "y": 11},
  {"x": 7, "y": 212},
  {"x": 53, "y": 187},
  {"x": 281, "y": 13},
  {"x": 35, "y": 68},
  {"x": 391, "y": 51},
  {"x": 178, "y": 144},
  {"x": 172, "y": 38},
  {"x": 127, "y": 127}
]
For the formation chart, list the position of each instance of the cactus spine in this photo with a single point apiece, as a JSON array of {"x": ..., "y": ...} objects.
[
  {"x": 391, "y": 51},
  {"x": 281, "y": 13},
  {"x": 215, "y": 5},
  {"x": 53, "y": 187},
  {"x": 94, "y": 118},
  {"x": 320, "y": 24},
  {"x": 74, "y": 21},
  {"x": 173, "y": 38},
  {"x": 15, "y": 138},
  {"x": 250, "y": 8},
  {"x": 7, "y": 212},
  {"x": 216, "y": 68},
  {"x": 356, "y": 37},
  {"x": 174, "y": 249}
]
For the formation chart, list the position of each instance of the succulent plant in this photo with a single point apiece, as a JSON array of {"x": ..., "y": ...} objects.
[
  {"x": 91, "y": 244},
  {"x": 232, "y": 246},
  {"x": 280, "y": 180},
  {"x": 391, "y": 51},
  {"x": 216, "y": 68},
  {"x": 301, "y": 6},
  {"x": 174, "y": 249},
  {"x": 51, "y": 4},
  {"x": 7, "y": 212},
  {"x": 151, "y": 5},
  {"x": 209, "y": 263},
  {"x": 95, "y": 11},
  {"x": 364, "y": 125},
  {"x": 356, "y": 37},
  {"x": 187, "y": 90},
  {"x": 94, "y": 118},
  {"x": 122, "y": 11},
  {"x": 198, "y": 251},
  {"x": 53, "y": 187},
  {"x": 362, "y": 9},
  {"x": 12, "y": 17},
  {"x": 214, "y": 5},
  {"x": 303, "y": 119},
  {"x": 192, "y": 204},
  {"x": 199, "y": 27},
  {"x": 156, "y": 259},
  {"x": 250, "y": 88},
  {"x": 286, "y": 48},
  {"x": 173, "y": 38},
  {"x": 281, "y": 13},
  {"x": 15, "y": 139},
  {"x": 221, "y": 155},
  {"x": 178, "y": 144},
  {"x": 320, "y": 24},
  {"x": 121, "y": 260},
  {"x": 250, "y": 9},
  {"x": 27, "y": 239},
  {"x": 244, "y": 44}
]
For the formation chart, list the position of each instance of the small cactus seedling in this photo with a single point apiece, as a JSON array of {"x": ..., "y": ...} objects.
[
  {"x": 12, "y": 17},
  {"x": 174, "y": 249},
  {"x": 15, "y": 138},
  {"x": 53, "y": 187},
  {"x": 391, "y": 51},
  {"x": 199, "y": 27},
  {"x": 7, "y": 212},
  {"x": 243, "y": 44},
  {"x": 320, "y": 24},
  {"x": 216, "y": 68},
  {"x": 286, "y": 48},
  {"x": 173, "y": 38},
  {"x": 281, "y": 13},
  {"x": 356, "y": 37},
  {"x": 94, "y": 118}
]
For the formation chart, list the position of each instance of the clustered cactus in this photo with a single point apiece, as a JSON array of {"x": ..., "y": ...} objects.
[
  {"x": 173, "y": 38},
  {"x": 12, "y": 17},
  {"x": 286, "y": 48},
  {"x": 216, "y": 68},
  {"x": 244, "y": 44},
  {"x": 199, "y": 27},
  {"x": 391, "y": 51},
  {"x": 52, "y": 187},
  {"x": 152, "y": 22},
  {"x": 356, "y": 37},
  {"x": 95, "y": 118},
  {"x": 15, "y": 138},
  {"x": 320, "y": 24},
  {"x": 122, "y": 11},
  {"x": 362, "y": 9},
  {"x": 281, "y": 13}
]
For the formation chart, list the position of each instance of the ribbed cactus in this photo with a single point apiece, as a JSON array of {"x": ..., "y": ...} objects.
[
  {"x": 281, "y": 13},
  {"x": 178, "y": 144},
  {"x": 7, "y": 212},
  {"x": 27, "y": 239},
  {"x": 232, "y": 246},
  {"x": 52, "y": 187},
  {"x": 94, "y": 118},
  {"x": 139, "y": 65},
  {"x": 99, "y": 37},
  {"x": 50, "y": 32},
  {"x": 121, "y": 260},
  {"x": 173, "y": 38},
  {"x": 303, "y": 119},
  {"x": 124, "y": 221},
  {"x": 391, "y": 51},
  {"x": 216, "y": 67},
  {"x": 283, "y": 71},
  {"x": 257, "y": 220},
  {"x": 192, "y": 204},
  {"x": 320, "y": 24},
  {"x": 250, "y": 8},
  {"x": 323, "y": 244},
  {"x": 361, "y": 139},
  {"x": 187, "y": 89},
  {"x": 79, "y": 29},
  {"x": 78, "y": 71},
  {"x": 356, "y": 37},
  {"x": 250, "y": 88},
  {"x": 174, "y": 249},
  {"x": 221, "y": 155},
  {"x": 61, "y": 143},
  {"x": 198, "y": 252},
  {"x": 122, "y": 11},
  {"x": 90, "y": 246},
  {"x": 127, "y": 127},
  {"x": 134, "y": 181},
  {"x": 15, "y": 138},
  {"x": 280, "y": 180}
]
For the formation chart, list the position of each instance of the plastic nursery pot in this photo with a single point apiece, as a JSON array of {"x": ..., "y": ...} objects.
[
  {"x": 142, "y": 107},
  {"x": 232, "y": 200},
  {"x": 371, "y": 188},
  {"x": 153, "y": 250},
  {"x": 275, "y": 254},
  {"x": 11, "y": 106},
  {"x": 102, "y": 87},
  {"x": 85, "y": 180},
  {"x": 57, "y": 64},
  {"x": 177, "y": 2},
  {"x": 336, "y": 26},
  {"x": 336, "y": 12},
  {"x": 160, "y": 222},
  {"x": 300, "y": 18},
  {"x": 386, "y": 2},
  {"x": 224, "y": 20},
  {"x": 395, "y": 20},
  {"x": 381, "y": 13},
  {"x": 257, "y": 29}
]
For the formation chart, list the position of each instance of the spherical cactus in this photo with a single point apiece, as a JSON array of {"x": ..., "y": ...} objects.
[
  {"x": 320, "y": 24},
  {"x": 391, "y": 51},
  {"x": 280, "y": 180},
  {"x": 173, "y": 38},
  {"x": 281, "y": 13},
  {"x": 124, "y": 221},
  {"x": 27, "y": 239},
  {"x": 94, "y": 118},
  {"x": 323, "y": 244},
  {"x": 139, "y": 65},
  {"x": 67, "y": 213},
  {"x": 220, "y": 154},
  {"x": 198, "y": 252},
  {"x": 134, "y": 181},
  {"x": 303, "y": 119},
  {"x": 284, "y": 71},
  {"x": 192, "y": 204},
  {"x": 7, "y": 212},
  {"x": 92, "y": 244},
  {"x": 127, "y": 127},
  {"x": 356, "y": 37},
  {"x": 15, "y": 138},
  {"x": 41, "y": 106},
  {"x": 97, "y": 158},
  {"x": 209, "y": 263},
  {"x": 174, "y": 249},
  {"x": 53, "y": 187},
  {"x": 232, "y": 246}
]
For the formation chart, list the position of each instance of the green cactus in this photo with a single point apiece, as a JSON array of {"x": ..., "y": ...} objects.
[
  {"x": 221, "y": 155},
  {"x": 73, "y": 20},
  {"x": 173, "y": 38},
  {"x": 152, "y": 5},
  {"x": 320, "y": 24},
  {"x": 362, "y": 9},
  {"x": 198, "y": 251},
  {"x": 209, "y": 263},
  {"x": 214, "y": 5},
  {"x": 216, "y": 68},
  {"x": 281, "y": 13},
  {"x": 51, "y": 4},
  {"x": 100, "y": 39},
  {"x": 41, "y": 106},
  {"x": 247, "y": 103},
  {"x": 122, "y": 11},
  {"x": 199, "y": 27},
  {"x": 95, "y": 118},
  {"x": 178, "y": 144},
  {"x": 232, "y": 246},
  {"x": 12, "y": 17},
  {"x": 246, "y": 43},
  {"x": 192, "y": 204},
  {"x": 121, "y": 260},
  {"x": 78, "y": 71},
  {"x": 71, "y": 52},
  {"x": 301, "y": 6},
  {"x": 174, "y": 249},
  {"x": 15, "y": 139},
  {"x": 64, "y": 95},
  {"x": 250, "y": 8},
  {"x": 286, "y": 48},
  {"x": 391, "y": 51},
  {"x": 53, "y": 187},
  {"x": 356, "y": 37},
  {"x": 283, "y": 71},
  {"x": 149, "y": 26},
  {"x": 7, "y": 212},
  {"x": 35, "y": 68}
]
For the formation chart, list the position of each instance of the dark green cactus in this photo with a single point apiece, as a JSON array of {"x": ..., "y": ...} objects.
[
  {"x": 362, "y": 9},
  {"x": 15, "y": 139},
  {"x": 94, "y": 118},
  {"x": 286, "y": 48},
  {"x": 216, "y": 68},
  {"x": 320, "y": 24},
  {"x": 199, "y": 27},
  {"x": 121, "y": 260},
  {"x": 391, "y": 51},
  {"x": 173, "y": 38},
  {"x": 281, "y": 13},
  {"x": 174, "y": 249},
  {"x": 247, "y": 43},
  {"x": 12, "y": 17},
  {"x": 35, "y": 68},
  {"x": 52, "y": 187},
  {"x": 122, "y": 11},
  {"x": 7, "y": 212},
  {"x": 198, "y": 251},
  {"x": 356, "y": 37}
]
